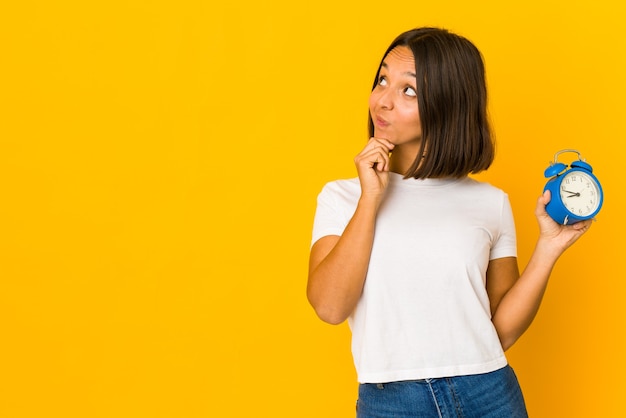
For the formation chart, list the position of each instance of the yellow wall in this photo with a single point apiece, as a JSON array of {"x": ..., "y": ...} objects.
[{"x": 159, "y": 165}]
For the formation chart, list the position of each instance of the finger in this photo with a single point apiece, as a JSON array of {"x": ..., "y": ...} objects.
[
  {"x": 374, "y": 146},
  {"x": 582, "y": 226},
  {"x": 373, "y": 157},
  {"x": 385, "y": 142},
  {"x": 380, "y": 163},
  {"x": 381, "y": 143},
  {"x": 542, "y": 201}
]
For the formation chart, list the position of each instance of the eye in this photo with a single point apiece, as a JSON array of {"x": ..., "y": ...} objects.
[
  {"x": 410, "y": 91},
  {"x": 382, "y": 80}
]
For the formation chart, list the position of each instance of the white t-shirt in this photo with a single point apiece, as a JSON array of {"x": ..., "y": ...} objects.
[{"x": 424, "y": 311}]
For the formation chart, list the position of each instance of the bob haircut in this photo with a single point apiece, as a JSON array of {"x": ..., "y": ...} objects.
[{"x": 452, "y": 101}]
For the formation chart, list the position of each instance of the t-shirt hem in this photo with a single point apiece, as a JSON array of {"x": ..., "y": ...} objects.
[
  {"x": 505, "y": 252},
  {"x": 326, "y": 232},
  {"x": 432, "y": 373}
]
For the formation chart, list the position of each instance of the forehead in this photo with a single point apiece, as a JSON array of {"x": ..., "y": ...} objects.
[{"x": 401, "y": 58}]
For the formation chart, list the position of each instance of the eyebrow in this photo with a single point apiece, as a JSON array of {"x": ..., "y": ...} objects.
[{"x": 409, "y": 73}]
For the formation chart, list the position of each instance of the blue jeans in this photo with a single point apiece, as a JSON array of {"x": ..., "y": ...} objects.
[{"x": 491, "y": 395}]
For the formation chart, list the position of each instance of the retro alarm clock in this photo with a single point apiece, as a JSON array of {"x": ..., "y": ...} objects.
[{"x": 576, "y": 192}]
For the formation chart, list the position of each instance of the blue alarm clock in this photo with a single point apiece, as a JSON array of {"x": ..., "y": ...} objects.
[{"x": 576, "y": 192}]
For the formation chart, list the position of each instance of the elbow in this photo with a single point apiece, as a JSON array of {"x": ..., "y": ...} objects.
[
  {"x": 327, "y": 312},
  {"x": 507, "y": 339},
  {"x": 507, "y": 343},
  {"x": 330, "y": 317}
]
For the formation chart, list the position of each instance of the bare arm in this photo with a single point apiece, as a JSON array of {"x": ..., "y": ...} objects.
[
  {"x": 515, "y": 299},
  {"x": 338, "y": 265}
]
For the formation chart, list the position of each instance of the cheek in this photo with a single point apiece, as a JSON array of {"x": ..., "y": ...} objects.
[
  {"x": 372, "y": 102},
  {"x": 411, "y": 118}
]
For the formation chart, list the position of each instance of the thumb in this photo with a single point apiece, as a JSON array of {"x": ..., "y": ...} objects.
[{"x": 542, "y": 201}]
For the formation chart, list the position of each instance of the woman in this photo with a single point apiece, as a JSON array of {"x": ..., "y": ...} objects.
[{"x": 420, "y": 258}]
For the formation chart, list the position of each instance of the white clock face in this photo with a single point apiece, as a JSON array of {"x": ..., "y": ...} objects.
[{"x": 580, "y": 193}]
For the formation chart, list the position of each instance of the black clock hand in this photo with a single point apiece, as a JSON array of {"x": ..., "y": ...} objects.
[{"x": 572, "y": 194}]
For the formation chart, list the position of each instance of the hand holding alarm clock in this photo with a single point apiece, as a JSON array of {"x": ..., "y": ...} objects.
[{"x": 576, "y": 192}]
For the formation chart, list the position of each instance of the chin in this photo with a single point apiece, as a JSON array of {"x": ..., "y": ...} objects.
[{"x": 385, "y": 135}]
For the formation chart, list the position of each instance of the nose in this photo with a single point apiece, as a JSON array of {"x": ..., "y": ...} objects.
[{"x": 385, "y": 100}]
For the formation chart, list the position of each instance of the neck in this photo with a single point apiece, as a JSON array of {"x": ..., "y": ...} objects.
[{"x": 402, "y": 158}]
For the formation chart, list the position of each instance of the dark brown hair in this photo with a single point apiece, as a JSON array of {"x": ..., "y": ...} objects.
[{"x": 452, "y": 100}]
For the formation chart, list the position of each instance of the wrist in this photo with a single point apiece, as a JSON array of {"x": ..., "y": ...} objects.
[
  {"x": 547, "y": 251},
  {"x": 370, "y": 200}
]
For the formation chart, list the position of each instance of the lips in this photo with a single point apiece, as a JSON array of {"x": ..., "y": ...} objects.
[{"x": 380, "y": 122}]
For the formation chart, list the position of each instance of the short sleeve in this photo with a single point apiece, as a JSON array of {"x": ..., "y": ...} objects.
[
  {"x": 335, "y": 206},
  {"x": 506, "y": 243}
]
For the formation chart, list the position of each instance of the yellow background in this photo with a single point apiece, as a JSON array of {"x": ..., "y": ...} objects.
[{"x": 159, "y": 166}]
